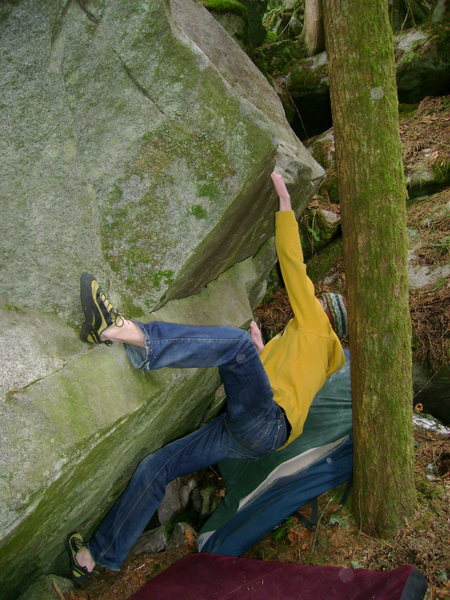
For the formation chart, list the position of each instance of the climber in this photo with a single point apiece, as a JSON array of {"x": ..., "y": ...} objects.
[{"x": 269, "y": 388}]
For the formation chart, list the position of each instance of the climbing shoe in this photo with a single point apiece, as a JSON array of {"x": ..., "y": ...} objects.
[
  {"x": 98, "y": 311},
  {"x": 80, "y": 575}
]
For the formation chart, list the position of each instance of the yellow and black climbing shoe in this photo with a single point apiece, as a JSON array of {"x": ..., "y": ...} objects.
[
  {"x": 80, "y": 575},
  {"x": 98, "y": 311}
]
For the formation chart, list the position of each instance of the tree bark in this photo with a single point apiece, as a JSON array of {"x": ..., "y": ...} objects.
[
  {"x": 312, "y": 33},
  {"x": 372, "y": 191}
]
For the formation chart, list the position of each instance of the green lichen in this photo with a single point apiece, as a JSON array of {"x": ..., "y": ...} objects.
[
  {"x": 166, "y": 277},
  {"x": 116, "y": 194},
  {"x": 128, "y": 306},
  {"x": 198, "y": 211},
  {"x": 202, "y": 151},
  {"x": 137, "y": 256},
  {"x": 13, "y": 308},
  {"x": 139, "y": 232},
  {"x": 209, "y": 190}
]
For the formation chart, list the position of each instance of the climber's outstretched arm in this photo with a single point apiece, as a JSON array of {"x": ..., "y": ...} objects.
[
  {"x": 308, "y": 311},
  {"x": 283, "y": 194}
]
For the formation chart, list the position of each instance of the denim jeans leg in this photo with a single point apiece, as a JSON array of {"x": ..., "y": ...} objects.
[
  {"x": 188, "y": 346},
  {"x": 133, "y": 510},
  {"x": 252, "y": 415},
  {"x": 253, "y": 425}
]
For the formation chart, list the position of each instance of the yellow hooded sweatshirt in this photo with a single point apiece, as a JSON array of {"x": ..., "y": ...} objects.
[{"x": 298, "y": 360}]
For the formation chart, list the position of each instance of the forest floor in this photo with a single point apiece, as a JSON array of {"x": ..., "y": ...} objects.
[{"x": 336, "y": 540}]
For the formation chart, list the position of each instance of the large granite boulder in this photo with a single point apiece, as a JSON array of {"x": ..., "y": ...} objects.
[{"x": 137, "y": 142}]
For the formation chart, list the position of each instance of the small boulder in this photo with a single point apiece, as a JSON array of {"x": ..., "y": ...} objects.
[{"x": 47, "y": 587}]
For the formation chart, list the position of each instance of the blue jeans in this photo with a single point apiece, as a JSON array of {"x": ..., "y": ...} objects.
[{"x": 252, "y": 425}]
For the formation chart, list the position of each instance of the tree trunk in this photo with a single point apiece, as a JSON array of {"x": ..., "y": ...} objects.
[
  {"x": 372, "y": 191},
  {"x": 312, "y": 33}
]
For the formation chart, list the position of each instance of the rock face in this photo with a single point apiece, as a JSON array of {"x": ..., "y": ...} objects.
[
  {"x": 137, "y": 141},
  {"x": 136, "y": 133}
]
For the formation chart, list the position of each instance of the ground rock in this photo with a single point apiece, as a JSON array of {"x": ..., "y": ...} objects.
[
  {"x": 318, "y": 227},
  {"x": 429, "y": 275},
  {"x": 323, "y": 270},
  {"x": 176, "y": 498},
  {"x": 206, "y": 500},
  {"x": 429, "y": 279},
  {"x": 152, "y": 541},
  {"x": 429, "y": 228},
  {"x": 236, "y": 26},
  {"x": 423, "y": 62},
  {"x": 322, "y": 149},
  {"x": 160, "y": 539},
  {"x": 426, "y": 157},
  {"x": 233, "y": 17},
  {"x": 182, "y": 535},
  {"x": 241, "y": 18},
  {"x": 424, "y": 131},
  {"x": 47, "y": 588}
]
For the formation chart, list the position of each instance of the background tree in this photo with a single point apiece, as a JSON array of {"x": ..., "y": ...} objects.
[
  {"x": 372, "y": 191},
  {"x": 312, "y": 33}
]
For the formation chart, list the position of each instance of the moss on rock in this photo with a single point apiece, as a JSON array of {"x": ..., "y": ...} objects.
[
  {"x": 307, "y": 76},
  {"x": 317, "y": 227},
  {"x": 422, "y": 62},
  {"x": 273, "y": 56},
  {"x": 230, "y": 6},
  {"x": 322, "y": 263}
]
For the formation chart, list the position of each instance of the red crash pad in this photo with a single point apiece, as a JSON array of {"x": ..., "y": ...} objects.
[{"x": 216, "y": 577}]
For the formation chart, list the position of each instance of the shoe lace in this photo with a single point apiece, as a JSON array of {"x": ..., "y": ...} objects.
[
  {"x": 78, "y": 543},
  {"x": 111, "y": 313}
]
